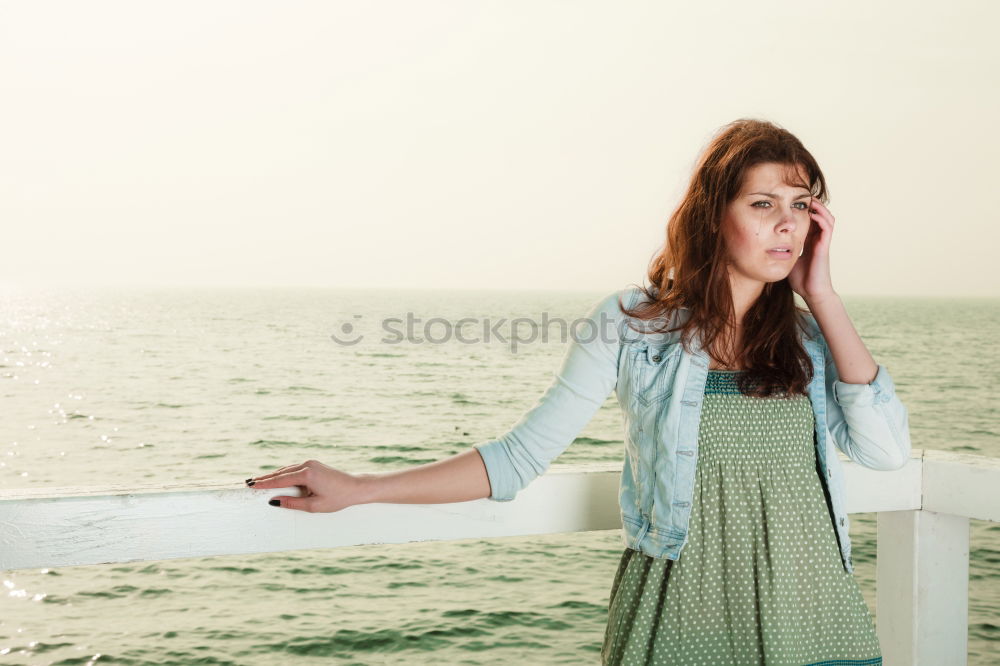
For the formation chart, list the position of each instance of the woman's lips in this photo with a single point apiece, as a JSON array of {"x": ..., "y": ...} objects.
[{"x": 780, "y": 255}]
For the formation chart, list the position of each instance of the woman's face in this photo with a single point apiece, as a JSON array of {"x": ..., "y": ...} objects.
[{"x": 767, "y": 213}]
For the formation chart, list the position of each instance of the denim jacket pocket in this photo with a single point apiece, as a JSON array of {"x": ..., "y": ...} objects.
[{"x": 652, "y": 369}]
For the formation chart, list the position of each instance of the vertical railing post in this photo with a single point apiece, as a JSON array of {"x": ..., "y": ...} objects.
[{"x": 922, "y": 588}]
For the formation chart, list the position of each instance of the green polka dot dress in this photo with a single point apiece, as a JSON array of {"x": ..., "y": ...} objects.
[{"x": 760, "y": 579}]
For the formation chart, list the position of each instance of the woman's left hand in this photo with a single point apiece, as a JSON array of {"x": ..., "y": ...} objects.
[{"x": 810, "y": 276}]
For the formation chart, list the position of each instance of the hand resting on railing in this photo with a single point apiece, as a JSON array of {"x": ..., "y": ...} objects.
[{"x": 460, "y": 478}]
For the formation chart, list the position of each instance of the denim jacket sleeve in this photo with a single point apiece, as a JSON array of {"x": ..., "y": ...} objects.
[
  {"x": 868, "y": 422},
  {"x": 587, "y": 376}
]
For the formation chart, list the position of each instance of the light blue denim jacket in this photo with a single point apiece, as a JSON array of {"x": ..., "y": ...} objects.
[{"x": 660, "y": 388}]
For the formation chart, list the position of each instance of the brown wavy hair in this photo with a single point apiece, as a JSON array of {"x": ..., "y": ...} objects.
[{"x": 690, "y": 269}]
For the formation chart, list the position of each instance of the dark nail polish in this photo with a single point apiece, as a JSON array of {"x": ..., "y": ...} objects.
[
  {"x": 274, "y": 502},
  {"x": 250, "y": 481}
]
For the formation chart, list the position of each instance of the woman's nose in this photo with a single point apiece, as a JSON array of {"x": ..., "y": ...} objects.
[{"x": 788, "y": 222}]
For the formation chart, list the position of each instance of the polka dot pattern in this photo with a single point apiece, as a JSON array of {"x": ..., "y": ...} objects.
[{"x": 760, "y": 579}]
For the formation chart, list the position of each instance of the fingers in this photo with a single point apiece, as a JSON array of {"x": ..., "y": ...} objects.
[
  {"x": 287, "y": 477},
  {"x": 824, "y": 228},
  {"x": 295, "y": 477},
  {"x": 299, "y": 503},
  {"x": 280, "y": 470},
  {"x": 822, "y": 212}
]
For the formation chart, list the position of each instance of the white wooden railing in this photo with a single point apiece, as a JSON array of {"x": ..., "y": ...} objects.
[{"x": 922, "y": 570}]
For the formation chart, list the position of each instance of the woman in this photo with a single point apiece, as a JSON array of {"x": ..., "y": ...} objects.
[{"x": 735, "y": 402}]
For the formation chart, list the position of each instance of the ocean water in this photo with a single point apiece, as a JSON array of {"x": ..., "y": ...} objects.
[{"x": 109, "y": 386}]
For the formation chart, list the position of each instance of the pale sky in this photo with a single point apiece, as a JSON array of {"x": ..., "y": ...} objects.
[{"x": 467, "y": 144}]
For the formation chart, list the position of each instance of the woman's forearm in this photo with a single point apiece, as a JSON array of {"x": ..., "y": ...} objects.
[
  {"x": 854, "y": 362},
  {"x": 459, "y": 478}
]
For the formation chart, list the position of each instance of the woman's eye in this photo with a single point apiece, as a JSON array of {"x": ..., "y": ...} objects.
[{"x": 761, "y": 202}]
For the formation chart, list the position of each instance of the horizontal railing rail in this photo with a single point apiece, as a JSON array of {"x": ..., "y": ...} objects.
[{"x": 922, "y": 568}]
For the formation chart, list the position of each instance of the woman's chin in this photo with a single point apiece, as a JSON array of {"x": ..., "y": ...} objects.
[{"x": 783, "y": 275}]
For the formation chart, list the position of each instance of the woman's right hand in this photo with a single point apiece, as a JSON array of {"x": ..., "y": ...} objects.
[{"x": 324, "y": 489}]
